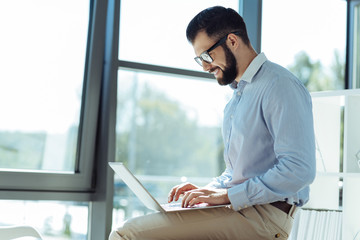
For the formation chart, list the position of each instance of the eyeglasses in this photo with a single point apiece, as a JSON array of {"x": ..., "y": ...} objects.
[{"x": 205, "y": 56}]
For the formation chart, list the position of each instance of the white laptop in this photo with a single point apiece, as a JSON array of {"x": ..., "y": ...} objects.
[{"x": 145, "y": 197}]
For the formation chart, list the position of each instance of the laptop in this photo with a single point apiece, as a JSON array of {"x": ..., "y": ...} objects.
[{"x": 145, "y": 197}]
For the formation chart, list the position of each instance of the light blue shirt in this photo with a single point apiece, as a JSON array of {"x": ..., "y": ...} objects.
[{"x": 268, "y": 138}]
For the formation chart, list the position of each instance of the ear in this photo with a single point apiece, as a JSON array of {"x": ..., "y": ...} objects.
[{"x": 234, "y": 41}]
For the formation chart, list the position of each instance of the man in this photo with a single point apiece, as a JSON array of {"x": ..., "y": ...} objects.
[{"x": 269, "y": 145}]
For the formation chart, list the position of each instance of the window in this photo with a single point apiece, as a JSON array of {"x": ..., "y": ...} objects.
[
  {"x": 309, "y": 38},
  {"x": 42, "y": 66},
  {"x": 50, "y": 82},
  {"x": 53, "y": 219},
  {"x": 158, "y": 36},
  {"x": 43, "y": 55}
]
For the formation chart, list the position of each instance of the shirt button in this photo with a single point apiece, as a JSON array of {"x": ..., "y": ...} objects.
[
  {"x": 239, "y": 93},
  {"x": 239, "y": 208},
  {"x": 232, "y": 116},
  {"x": 246, "y": 206}
]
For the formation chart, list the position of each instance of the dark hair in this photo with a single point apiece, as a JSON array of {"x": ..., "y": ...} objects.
[{"x": 217, "y": 22}]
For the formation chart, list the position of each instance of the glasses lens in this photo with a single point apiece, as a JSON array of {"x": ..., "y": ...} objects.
[
  {"x": 206, "y": 57},
  {"x": 198, "y": 60}
]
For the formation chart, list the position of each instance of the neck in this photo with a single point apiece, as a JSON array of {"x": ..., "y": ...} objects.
[{"x": 244, "y": 58}]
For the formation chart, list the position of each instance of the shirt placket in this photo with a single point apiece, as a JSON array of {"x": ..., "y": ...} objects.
[{"x": 238, "y": 92}]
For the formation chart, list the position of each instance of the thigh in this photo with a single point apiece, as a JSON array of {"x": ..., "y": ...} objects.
[
  {"x": 277, "y": 223},
  {"x": 216, "y": 223}
]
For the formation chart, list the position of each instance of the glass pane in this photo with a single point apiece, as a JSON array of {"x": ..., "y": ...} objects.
[
  {"x": 352, "y": 134},
  {"x": 328, "y": 125},
  {"x": 159, "y": 36},
  {"x": 54, "y": 220},
  {"x": 168, "y": 132},
  {"x": 43, "y": 46},
  {"x": 307, "y": 37},
  {"x": 325, "y": 187},
  {"x": 337, "y": 131}
]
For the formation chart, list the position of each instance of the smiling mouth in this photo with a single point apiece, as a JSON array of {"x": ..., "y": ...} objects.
[{"x": 215, "y": 71}]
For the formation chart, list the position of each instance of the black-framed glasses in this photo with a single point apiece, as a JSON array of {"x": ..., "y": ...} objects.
[{"x": 205, "y": 56}]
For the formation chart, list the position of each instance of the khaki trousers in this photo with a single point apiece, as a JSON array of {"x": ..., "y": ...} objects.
[{"x": 254, "y": 223}]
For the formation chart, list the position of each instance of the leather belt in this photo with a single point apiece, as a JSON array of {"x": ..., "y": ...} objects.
[{"x": 283, "y": 206}]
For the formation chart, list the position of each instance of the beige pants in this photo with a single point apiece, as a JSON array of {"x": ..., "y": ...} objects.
[{"x": 253, "y": 223}]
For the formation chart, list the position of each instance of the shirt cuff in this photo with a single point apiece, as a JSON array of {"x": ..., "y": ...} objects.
[{"x": 238, "y": 197}]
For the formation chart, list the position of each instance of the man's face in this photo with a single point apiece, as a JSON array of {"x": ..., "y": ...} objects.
[{"x": 224, "y": 65}]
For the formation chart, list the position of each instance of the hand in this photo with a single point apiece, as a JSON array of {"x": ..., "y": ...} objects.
[
  {"x": 209, "y": 196},
  {"x": 176, "y": 191}
]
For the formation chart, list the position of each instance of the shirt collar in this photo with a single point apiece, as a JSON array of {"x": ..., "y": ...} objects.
[{"x": 252, "y": 69}]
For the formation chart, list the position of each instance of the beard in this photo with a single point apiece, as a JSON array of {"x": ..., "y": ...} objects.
[{"x": 230, "y": 71}]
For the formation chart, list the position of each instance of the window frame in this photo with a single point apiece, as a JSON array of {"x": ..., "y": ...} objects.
[{"x": 251, "y": 11}]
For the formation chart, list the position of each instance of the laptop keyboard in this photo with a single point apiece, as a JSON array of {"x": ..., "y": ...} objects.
[{"x": 173, "y": 205}]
